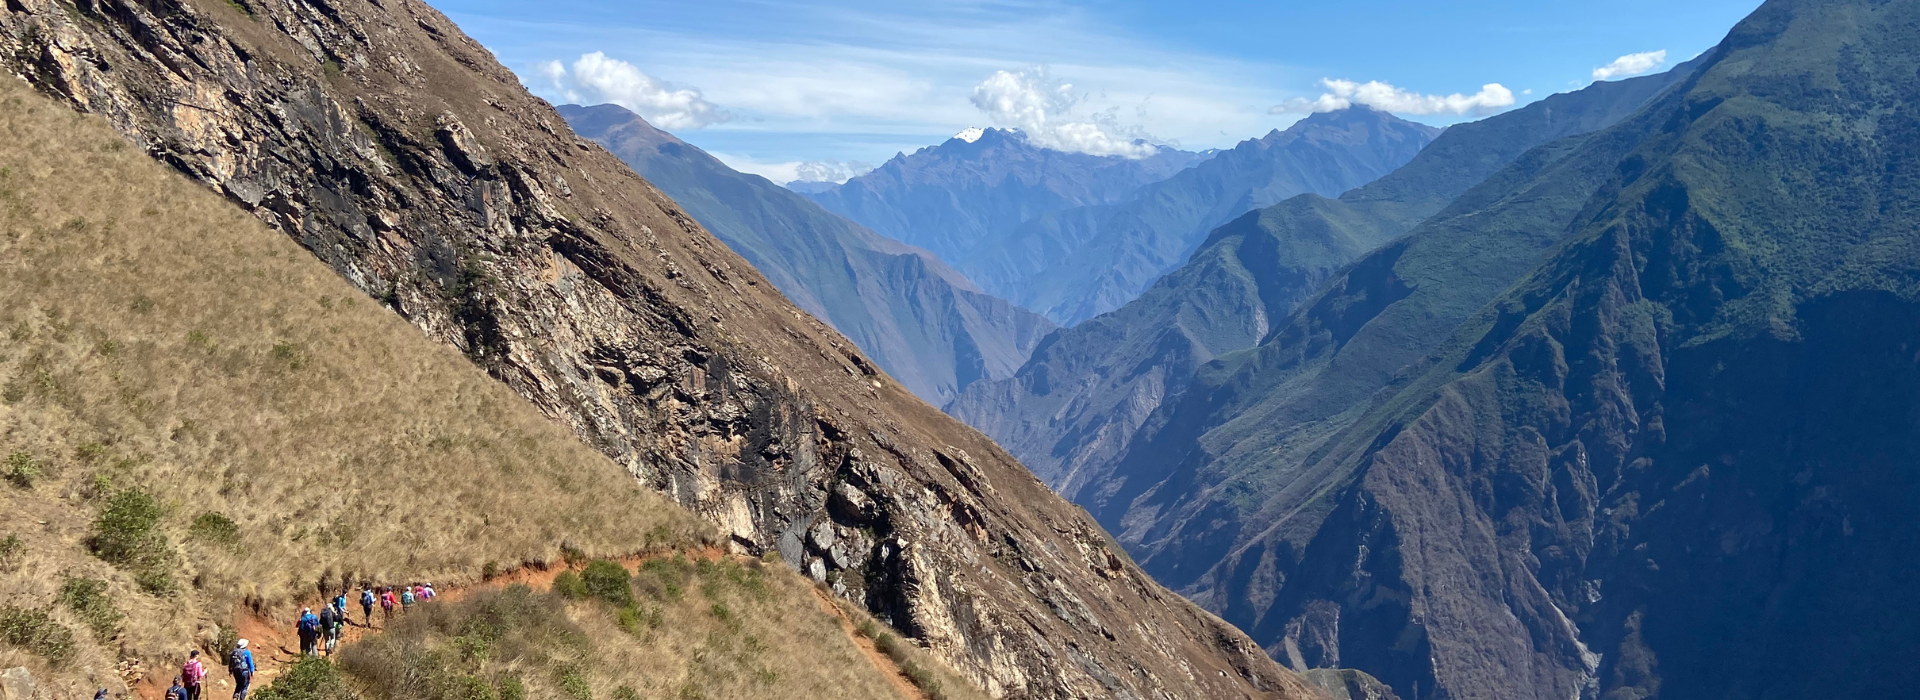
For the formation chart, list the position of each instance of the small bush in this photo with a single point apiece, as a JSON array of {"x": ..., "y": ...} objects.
[
  {"x": 10, "y": 549},
  {"x": 37, "y": 632},
  {"x": 311, "y": 678},
  {"x": 127, "y": 534},
  {"x": 573, "y": 682},
  {"x": 215, "y": 528},
  {"x": 625, "y": 693},
  {"x": 569, "y": 586},
  {"x": 512, "y": 689},
  {"x": 469, "y": 688},
  {"x": 608, "y": 581},
  {"x": 21, "y": 469},
  {"x": 90, "y": 602}
]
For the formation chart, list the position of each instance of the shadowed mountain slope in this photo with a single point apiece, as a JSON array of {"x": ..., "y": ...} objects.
[
  {"x": 1071, "y": 410},
  {"x": 1633, "y": 418},
  {"x": 393, "y": 148},
  {"x": 922, "y": 322}
]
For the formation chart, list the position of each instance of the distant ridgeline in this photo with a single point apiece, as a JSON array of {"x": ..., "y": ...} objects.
[{"x": 1073, "y": 236}]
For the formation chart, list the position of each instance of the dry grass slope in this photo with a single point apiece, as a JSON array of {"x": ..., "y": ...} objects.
[{"x": 258, "y": 430}]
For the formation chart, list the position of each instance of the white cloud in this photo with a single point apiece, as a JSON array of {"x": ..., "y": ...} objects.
[
  {"x": 1631, "y": 65},
  {"x": 783, "y": 172},
  {"x": 830, "y": 170},
  {"x": 1342, "y": 94},
  {"x": 1034, "y": 102},
  {"x": 597, "y": 79}
]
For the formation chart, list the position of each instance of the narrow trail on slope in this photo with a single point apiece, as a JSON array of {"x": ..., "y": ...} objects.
[
  {"x": 896, "y": 675},
  {"x": 275, "y": 645}
]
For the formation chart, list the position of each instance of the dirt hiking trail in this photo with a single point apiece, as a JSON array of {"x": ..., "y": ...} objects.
[{"x": 276, "y": 646}]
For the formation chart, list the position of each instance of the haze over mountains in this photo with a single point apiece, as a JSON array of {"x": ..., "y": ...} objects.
[
  {"x": 1046, "y": 231},
  {"x": 924, "y": 323}
]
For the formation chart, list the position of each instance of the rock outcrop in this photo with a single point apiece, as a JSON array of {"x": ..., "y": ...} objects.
[{"x": 395, "y": 149}]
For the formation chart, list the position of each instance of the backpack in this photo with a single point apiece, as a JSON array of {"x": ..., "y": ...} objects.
[
  {"x": 237, "y": 662},
  {"x": 366, "y": 598}
]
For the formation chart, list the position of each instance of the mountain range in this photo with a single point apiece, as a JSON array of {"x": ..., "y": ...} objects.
[
  {"x": 397, "y": 151},
  {"x": 953, "y": 197},
  {"x": 1071, "y": 258},
  {"x": 1630, "y": 417},
  {"x": 924, "y": 323},
  {"x": 1075, "y": 406},
  {"x": 1078, "y": 263}
]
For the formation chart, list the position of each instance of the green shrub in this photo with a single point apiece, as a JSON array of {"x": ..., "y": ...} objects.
[
  {"x": 311, "y": 678},
  {"x": 10, "y": 549},
  {"x": 573, "y": 682},
  {"x": 37, "y": 632},
  {"x": 569, "y": 585},
  {"x": 90, "y": 602},
  {"x": 21, "y": 469},
  {"x": 127, "y": 534},
  {"x": 215, "y": 528},
  {"x": 608, "y": 581},
  {"x": 469, "y": 688},
  {"x": 625, "y": 693},
  {"x": 512, "y": 689}
]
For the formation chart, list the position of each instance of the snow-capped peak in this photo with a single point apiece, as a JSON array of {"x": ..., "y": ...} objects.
[{"x": 971, "y": 135}]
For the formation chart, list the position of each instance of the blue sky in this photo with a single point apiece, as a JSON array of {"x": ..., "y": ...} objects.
[{"x": 804, "y": 88}]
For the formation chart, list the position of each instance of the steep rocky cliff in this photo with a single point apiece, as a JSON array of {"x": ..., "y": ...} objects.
[
  {"x": 1633, "y": 418},
  {"x": 395, "y": 149},
  {"x": 923, "y": 322},
  {"x": 1071, "y": 411}
]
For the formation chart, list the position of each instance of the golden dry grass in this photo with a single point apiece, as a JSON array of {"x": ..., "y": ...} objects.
[
  {"x": 717, "y": 629},
  {"x": 154, "y": 338}
]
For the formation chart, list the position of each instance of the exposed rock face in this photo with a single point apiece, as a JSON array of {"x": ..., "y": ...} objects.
[
  {"x": 397, "y": 150},
  {"x": 1634, "y": 418},
  {"x": 925, "y": 323}
]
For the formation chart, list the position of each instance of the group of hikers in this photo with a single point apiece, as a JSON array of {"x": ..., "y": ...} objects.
[{"x": 317, "y": 632}]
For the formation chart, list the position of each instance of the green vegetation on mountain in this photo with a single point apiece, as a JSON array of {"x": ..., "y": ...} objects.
[
  {"x": 921, "y": 321},
  {"x": 1632, "y": 419},
  {"x": 1074, "y": 407}
]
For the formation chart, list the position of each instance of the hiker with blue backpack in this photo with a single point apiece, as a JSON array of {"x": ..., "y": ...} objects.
[
  {"x": 309, "y": 629},
  {"x": 366, "y": 602},
  {"x": 240, "y": 664}
]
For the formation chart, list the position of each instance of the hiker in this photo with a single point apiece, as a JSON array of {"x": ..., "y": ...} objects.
[
  {"x": 427, "y": 590},
  {"x": 324, "y": 629},
  {"x": 192, "y": 673},
  {"x": 340, "y": 605},
  {"x": 387, "y": 601},
  {"x": 178, "y": 691},
  {"x": 309, "y": 629},
  {"x": 240, "y": 664},
  {"x": 366, "y": 602},
  {"x": 333, "y": 626},
  {"x": 406, "y": 598}
]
